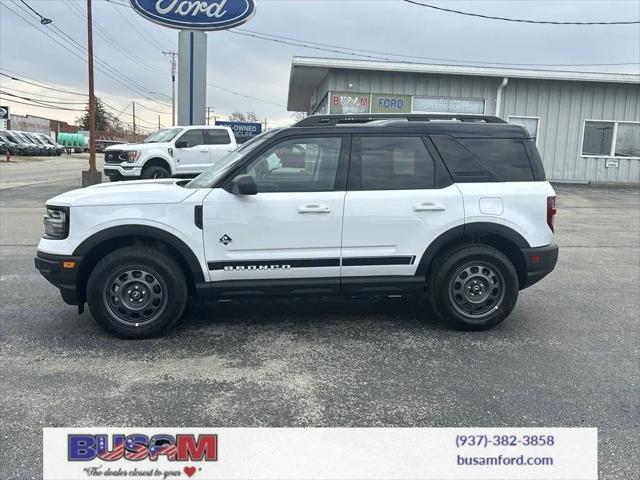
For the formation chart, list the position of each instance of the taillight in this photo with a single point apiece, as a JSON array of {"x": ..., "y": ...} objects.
[{"x": 551, "y": 211}]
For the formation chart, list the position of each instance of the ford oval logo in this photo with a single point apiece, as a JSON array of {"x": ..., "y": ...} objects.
[{"x": 196, "y": 14}]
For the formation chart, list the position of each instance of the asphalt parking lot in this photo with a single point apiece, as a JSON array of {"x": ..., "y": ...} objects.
[{"x": 567, "y": 356}]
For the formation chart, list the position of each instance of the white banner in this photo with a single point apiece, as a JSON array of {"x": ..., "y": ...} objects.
[{"x": 321, "y": 453}]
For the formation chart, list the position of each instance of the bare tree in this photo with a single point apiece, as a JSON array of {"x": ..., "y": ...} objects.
[
  {"x": 237, "y": 117},
  {"x": 297, "y": 116}
]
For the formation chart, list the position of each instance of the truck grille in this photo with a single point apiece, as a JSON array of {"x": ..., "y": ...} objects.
[{"x": 115, "y": 156}]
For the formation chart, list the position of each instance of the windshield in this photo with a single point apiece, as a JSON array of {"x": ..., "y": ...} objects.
[
  {"x": 22, "y": 137},
  {"x": 165, "y": 135},
  {"x": 211, "y": 175}
]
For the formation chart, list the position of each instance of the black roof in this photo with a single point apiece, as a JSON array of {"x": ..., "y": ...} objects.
[{"x": 461, "y": 126}]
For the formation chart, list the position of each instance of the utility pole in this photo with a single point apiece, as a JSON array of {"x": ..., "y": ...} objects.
[
  {"x": 91, "y": 176},
  {"x": 210, "y": 109},
  {"x": 173, "y": 64},
  {"x": 134, "y": 121},
  {"x": 159, "y": 127}
]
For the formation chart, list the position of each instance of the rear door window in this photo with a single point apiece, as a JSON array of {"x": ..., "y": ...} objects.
[
  {"x": 390, "y": 163},
  {"x": 216, "y": 137},
  {"x": 484, "y": 159}
]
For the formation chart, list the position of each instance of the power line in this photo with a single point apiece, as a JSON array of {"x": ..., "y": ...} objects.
[
  {"x": 62, "y": 101},
  {"x": 38, "y": 84},
  {"x": 46, "y": 97},
  {"x": 505, "y": 19},
  {"x": 43, "y": 20},
  {"x": 74, "y": 47},
  {"x": 345, "y": 50},
  {"x": 40, "y": 105}
]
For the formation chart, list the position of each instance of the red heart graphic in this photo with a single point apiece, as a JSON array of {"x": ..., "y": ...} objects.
[{"x": 189, "y": 471}]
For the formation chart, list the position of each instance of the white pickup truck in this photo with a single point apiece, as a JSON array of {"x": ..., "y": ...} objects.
[{"x": 169, "y": 152}]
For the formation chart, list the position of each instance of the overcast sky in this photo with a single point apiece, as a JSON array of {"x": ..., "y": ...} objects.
[{"x": 260, "y": 68}]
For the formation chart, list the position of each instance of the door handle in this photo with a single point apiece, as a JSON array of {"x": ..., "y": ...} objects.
[
  {"x": 428, "y": 207},
  {"x": 204, "y": 151},
  {"x": 314, "y": 209}
]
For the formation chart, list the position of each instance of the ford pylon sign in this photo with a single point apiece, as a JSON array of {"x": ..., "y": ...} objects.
[{"x": 196, "y": 14}]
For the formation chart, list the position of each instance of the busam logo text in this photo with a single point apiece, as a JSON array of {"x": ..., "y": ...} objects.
[{"x": 136, "y": 447}]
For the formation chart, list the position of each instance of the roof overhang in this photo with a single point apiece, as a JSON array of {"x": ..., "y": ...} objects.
[{"x": 308, "y": 72}]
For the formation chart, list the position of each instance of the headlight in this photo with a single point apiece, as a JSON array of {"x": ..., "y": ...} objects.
[
  {"x": 132, "y": 156},
  {"x": 56, "y": 223}
]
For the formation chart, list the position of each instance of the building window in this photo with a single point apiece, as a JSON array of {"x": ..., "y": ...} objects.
[
  {"x": 604, "y": 138},
  {"x": 532, "y": 124}
]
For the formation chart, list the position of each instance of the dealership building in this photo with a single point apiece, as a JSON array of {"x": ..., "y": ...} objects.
[{"x": 586, "y": 124}]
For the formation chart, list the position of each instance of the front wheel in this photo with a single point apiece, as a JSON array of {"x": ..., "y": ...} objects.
[
  {"x": 137, "y": 292},
  {"x": 155, "y": 172},
  {"x": 474, "y": 288}
]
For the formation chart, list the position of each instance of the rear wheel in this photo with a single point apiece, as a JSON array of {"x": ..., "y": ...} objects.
[
  {"x": 137, "y": 292},
  {"x": 155, "y": 172},
  {"x": 474, "y": 288}
]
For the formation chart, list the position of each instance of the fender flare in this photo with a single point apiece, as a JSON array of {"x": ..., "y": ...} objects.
[
  {"x": 172, "y": 169},
  {"x": 468, "y": 229},
  {"x": 144, "y": 231}
]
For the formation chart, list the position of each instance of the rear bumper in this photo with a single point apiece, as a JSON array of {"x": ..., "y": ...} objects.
[
  {"x": 66, "y": 279},
  {"x": 540, "y": 262}
]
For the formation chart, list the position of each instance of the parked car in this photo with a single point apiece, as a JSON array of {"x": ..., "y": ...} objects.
[
  {"x": 57, "y": 148},
  {"x": 35, "y": 148},
  {"x": 169, "y": 152},
  {"x": 101, "y": 145},
  {"x": 458, "y": 212},
  {"x": 10, "y": 143},
  {"x": 3, "y": 147},
  {"x": 45, "y": 147},
  {"x": 27, "y": 147}
]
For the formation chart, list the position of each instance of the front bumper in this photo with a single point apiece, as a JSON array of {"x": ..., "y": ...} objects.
[
  {"x": 540, "y": 262},
  {"x": 122, "y": 170},
  {"x": 56, "y": 269}
]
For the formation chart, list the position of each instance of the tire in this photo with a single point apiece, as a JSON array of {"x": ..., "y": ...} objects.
[
  {"x": 475, "y": 287},
  {"x": 137, "y": 292},
  {"x": 114, "y": 178},
  {"x": 155, "y": 172}
]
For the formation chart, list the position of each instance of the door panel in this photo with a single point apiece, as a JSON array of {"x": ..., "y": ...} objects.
[
  {"x": 392, "y": 210},
  {"x": 218, "y": 141},
  {"x": 196, "y": 156},
  {"x": 385, "y": 234},
  {"x": 292, "y": 228}
]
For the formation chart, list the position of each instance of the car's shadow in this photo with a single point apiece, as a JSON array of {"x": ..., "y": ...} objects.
[{"x": 308, "y": 311}]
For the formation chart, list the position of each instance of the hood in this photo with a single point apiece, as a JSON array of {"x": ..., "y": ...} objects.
[
  {"x": 137, "y": 146},
  {"x": 142, "y": 192}
]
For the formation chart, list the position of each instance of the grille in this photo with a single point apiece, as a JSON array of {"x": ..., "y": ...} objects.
[{"x": 115, "y": 156}]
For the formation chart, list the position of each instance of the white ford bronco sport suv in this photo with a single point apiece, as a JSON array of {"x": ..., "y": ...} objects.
[
  {"x": 457, "y": 211},
  {"x": 170, "y": 152}
]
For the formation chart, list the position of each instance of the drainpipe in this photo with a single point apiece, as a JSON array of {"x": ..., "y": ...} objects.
[{"x": 505, "y": 80}]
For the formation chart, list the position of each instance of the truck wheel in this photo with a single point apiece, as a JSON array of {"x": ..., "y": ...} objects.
[
  {"x": 155, "y": 172},
  {"x": 137, "y": 292},
  {"x": 474, "y": 288}
]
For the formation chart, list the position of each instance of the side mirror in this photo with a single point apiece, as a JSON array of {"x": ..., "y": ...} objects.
[
  {"x": 244, "y": 185},
  {"x": 181, "y": 144}
]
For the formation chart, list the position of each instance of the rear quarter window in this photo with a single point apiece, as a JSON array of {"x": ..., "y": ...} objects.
[{"x": 484, "y": 159}]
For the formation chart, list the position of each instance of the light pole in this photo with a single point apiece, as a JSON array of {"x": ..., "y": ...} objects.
[{"x": 91, "y": 176}]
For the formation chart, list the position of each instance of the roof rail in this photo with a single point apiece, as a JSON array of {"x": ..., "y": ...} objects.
[{"x": 332, "y": 120}]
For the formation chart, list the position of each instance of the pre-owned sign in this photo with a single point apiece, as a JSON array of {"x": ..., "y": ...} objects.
[
  {"x": 348, "y": 102},
  {"x": 196, "y": 14},
  {"x": 382, "y": 103},
  {"x": 242, "y": 129}
]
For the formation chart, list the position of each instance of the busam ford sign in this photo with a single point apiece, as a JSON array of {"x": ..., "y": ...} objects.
[{"x": 196, "y": 14}]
